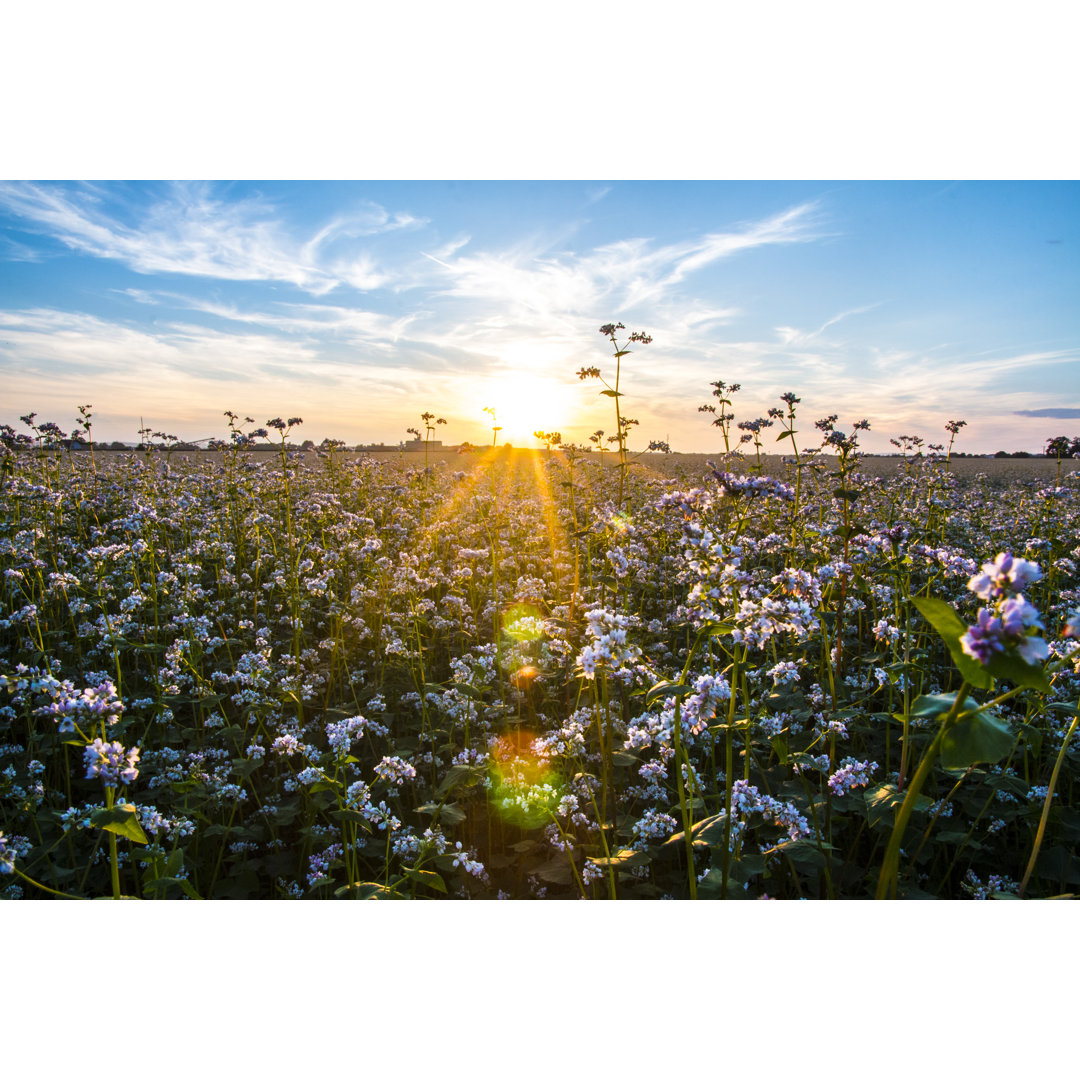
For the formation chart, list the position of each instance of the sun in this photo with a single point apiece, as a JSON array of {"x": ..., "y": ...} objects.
[{"x": 524, "y": 402}]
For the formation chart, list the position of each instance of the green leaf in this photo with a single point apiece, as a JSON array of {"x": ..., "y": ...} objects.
[
  {"x": 623, "y": 859},
  {"x": 354, "y": 817},
  {"x": 709, "y": 830},
  {"x": 458, "y": 776},
  {"x": 883, "y": 802},
  {"x": 450, "y": 813},
  {"x": 848, "y": 494},
  {"x": 846, "y": 532},
  {"x": 804, "y": 854},
  {"x": 610, "y": 393},
  {"x": 467, "y": 690},
  {"x": 1064, "y": 708},
  {"x": 931, "y": 705},
  {"x": 786, "y": 435},
  {"x": 121, "y": 820},
  {"x": 749, "y": 866},
  {"x": 806, "y": 761},
  {"x": 555, "y": 872},
  {"x": 666, "y": 690},
  {"x": 160, "y": 885},
  {"x": 780, "y": 746},
  {"x": 367, "y": 890},
  {"x": 1011, "y": 668},
  {"x": 951, "y": 628},
  {"x": 711, "y": 887},
  {"x": 175, "y": 863},
  {"x": 1056, "y": 864},
  {"x": 426, "y": 877},
  {"x": 982, "y": 737}
]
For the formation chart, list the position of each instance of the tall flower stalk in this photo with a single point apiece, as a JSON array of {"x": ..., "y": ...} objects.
[{"x": 622, "y": 423}]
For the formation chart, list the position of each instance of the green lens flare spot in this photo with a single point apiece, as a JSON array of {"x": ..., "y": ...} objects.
[
  {"x": 523, "y": 622},
  {"x": 524, "y": 789}
]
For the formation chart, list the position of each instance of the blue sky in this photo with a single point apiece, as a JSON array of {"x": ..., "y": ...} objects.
[{"x": 358, "y": 306}]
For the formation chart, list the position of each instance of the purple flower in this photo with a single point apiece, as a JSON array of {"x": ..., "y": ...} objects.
[
  {"x": 1005, "y": 575},
  {"x": 984, "y": 638},
  {"x": 851, "y": 774},
  {"x": 7, "y": 857},
  {"x": 1013, "y": 618},
  {"x": 1017, "y": 615},
  {"x": 111, "y": 762},
  {"x": 1033, "y": 650}
]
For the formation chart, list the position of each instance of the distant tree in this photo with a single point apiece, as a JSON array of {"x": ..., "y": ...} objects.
[
  {"x": 308, "y": 444},
  {"x": 1062, "y": 446}
]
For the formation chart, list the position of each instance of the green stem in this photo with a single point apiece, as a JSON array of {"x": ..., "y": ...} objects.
[
  {"x": 1046, "y": 805},
  {"x": 890, "y": 867}
]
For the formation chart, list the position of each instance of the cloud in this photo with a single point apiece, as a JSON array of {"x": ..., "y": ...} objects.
[
  {"x": 1053, "y": 414},
  {"x": 192, "y": 232},
  {"x": 14, "y": 251},
  {"x": 329, "y": 322},
  {"x": 789, "y": 335},
  {"x": 536, "y": 284},
  {"x": 50, "y": 342},
  {"x": 140, "y": 296}
]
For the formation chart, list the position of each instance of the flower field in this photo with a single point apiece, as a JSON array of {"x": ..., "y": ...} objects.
[{"x": 564, "y": 673}]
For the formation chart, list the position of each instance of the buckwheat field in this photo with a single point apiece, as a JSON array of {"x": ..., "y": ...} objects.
[{"x": 786, "y": 671}]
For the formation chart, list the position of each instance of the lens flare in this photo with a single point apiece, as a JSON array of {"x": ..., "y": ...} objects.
[
  {"x": 524, "y": 677},
  {"x": 523, "y": 622},
  {"x": 524, "y": 788}
]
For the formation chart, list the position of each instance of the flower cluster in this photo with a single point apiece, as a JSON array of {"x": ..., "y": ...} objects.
[
  {"x": 746, "y": 799},
  {"x": 1011, "y": 621},
  {"x": 7, "y": 857},
  {"x": 465, "y": 858},
  {"x": 734, "y": 486},
  {"x": 341, "y": 734},
  {"x": 974, "y": 886},
  {"x": 395, "y": 770},
  {"x": 609, "y": 648},
  {"x": 68, "y": 707},
  {"x": 652, "y": 825},
  {"x": 851, "y": 774},
  {"x": 111, "y": 762}
]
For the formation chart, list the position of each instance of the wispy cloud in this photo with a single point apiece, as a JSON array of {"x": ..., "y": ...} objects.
[
  {"x": 191, "y": 232},
  {"x": 1052, "y": 414},
  {"x": 14, "y": 251},
  {"x": 140, "y": 296},
  {"x": 533, "y": 282},
  {"x": 60, "y": 342},
  {"x": 789, "y": 335}
]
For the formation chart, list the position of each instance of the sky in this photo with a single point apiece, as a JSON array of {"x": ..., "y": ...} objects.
[{"x": 358, "y": 306}]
